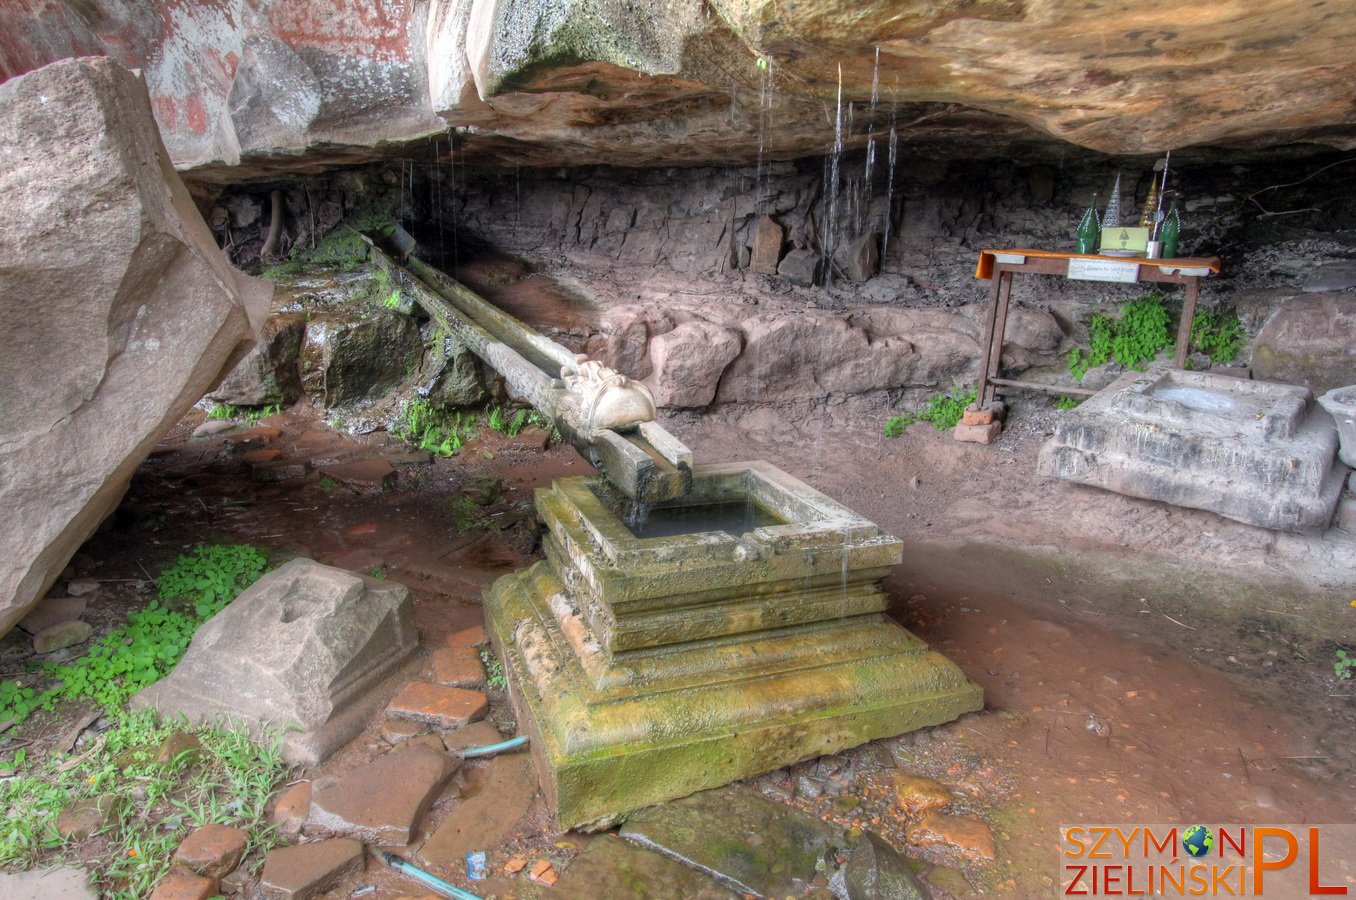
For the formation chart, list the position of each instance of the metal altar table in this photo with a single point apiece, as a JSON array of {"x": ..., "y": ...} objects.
[{"x": 1001, "y": 265}]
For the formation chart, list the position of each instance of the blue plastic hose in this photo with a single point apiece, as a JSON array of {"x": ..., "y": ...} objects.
[{"x": 492, "y": 749}]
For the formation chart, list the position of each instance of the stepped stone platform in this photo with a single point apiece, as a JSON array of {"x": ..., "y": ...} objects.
[
  {"x": 1255, "y": 451},
  {"x": 750, "y": 637}
]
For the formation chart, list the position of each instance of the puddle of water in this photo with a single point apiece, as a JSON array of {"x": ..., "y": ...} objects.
[{"x": 734, "y": 518}]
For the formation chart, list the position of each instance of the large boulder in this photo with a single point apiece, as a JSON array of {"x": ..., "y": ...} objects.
[
  {"x": 1310, "y": 341},
  {"x": 117, "y": 310}
]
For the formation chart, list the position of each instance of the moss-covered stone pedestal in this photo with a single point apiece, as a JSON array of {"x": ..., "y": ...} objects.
[{"x": 646, "y": 668}]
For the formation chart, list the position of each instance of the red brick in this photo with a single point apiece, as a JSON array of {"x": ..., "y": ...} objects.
[
  {"x": 291, "y": 807},
  {"x": 181, "y": 884},
  {"x": 212, "y": 851},
  {"x": 977, "y": 417},
  {"x": 438, "y": 705},
  {"x": 467, "y": 637},
  {"x": 459, "y": 667},
  {"x": 977, "y": 434}
]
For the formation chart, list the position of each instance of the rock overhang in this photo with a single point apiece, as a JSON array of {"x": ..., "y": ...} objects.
[{"x": 295, "y": 87}]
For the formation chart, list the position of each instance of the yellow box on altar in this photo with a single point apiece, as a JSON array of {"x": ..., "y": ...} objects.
[{"x": 1124, "y": 240}]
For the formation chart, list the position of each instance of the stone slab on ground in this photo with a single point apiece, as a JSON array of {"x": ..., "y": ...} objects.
[
  {"x": 212, "y": 850},
  {"x": 768, "y": 237},
  {"x": 459, "y": 667},
  {"x": 51, "y": 611},
  {"x": 363, "y": 475},
  {"x": 383, "y": 801},
  {"x": 305, "y": 870},
  {"x": 745, "y": 841},
  {"x": 438, "y": 705},
  {"x": 61, "y": 635},
  {"x": 182, "y": 884},
  {"x": 467, "y": 637},
  {"x": 120, "y": 344},
  {"x": 303, "y": 648},
  {"x": 1258, "y": 452},
  {"x": 59, "y": 883},
  {"x": 85, "y": 817},
  {"x": 612, "y": 867},
  {"x": 496, "y": 794}
]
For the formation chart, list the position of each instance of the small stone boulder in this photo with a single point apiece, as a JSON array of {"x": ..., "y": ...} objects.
[
  {"x": 301, "y": 649},
  {"x": 61, "y": 635},
  {"x": 118, "y": 344}
]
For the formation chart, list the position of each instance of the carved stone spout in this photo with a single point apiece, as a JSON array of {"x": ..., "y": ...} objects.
[{"x": 606, "y": 399}]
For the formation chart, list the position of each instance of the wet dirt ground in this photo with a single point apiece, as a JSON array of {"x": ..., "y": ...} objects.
[{"x": 1106, "y": 701}]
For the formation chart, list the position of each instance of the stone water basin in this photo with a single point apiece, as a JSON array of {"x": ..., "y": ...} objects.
[
  {"x": 1207, "y": 402},
  {"x": 711, "y": 577}
]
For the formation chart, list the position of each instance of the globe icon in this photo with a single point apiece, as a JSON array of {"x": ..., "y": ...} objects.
[{"x": 1198, "y": 840}]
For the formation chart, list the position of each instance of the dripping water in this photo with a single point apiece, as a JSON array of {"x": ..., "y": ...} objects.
[
  {"x": 831, "y": 187},
  {"x": 864, "y": 207},
  {"x": 762, "y": 174},
  {"x": 890, "y": 189}
]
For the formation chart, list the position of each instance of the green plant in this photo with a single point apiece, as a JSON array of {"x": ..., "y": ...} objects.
[
  {"x": 512, "y": 425},
  {"x": 494, "y": 669},
  {"x": 1132, "y": 340},
  {"x": 222, "y": 411},
  {"x": 144, "y": 649},
  {"x": 155, "y": 804},
  {"x": 466, "y": 514},
  {"x": 376, "y": 572},
  {"x": 1217, "y": 334},
  {"x": 327, "y": 484},
  {"x": 251, "y": 414},
  {"x": 343, "y": 250},
  {"x": 429, "y": 427},
  {"x": 211, "y": 575},
  {"x": 392, "y": 300},
  {"x": 942, "y": 410},
  {"x": 1344, "y": 666},
  {"x": 1066, "y": 403}
]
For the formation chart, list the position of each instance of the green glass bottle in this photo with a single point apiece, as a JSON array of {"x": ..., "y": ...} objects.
[
  {"x": 1088, "y": 231},
  {"x": 1170, "y": 232}
]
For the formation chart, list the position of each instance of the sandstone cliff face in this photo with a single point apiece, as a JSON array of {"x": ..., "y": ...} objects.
[{"x": 245, "y": 90}]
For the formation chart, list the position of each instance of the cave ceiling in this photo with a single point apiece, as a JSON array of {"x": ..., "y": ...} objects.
[{"x": 258, "y": 89}]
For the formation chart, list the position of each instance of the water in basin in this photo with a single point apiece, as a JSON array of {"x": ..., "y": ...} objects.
[
  {"x": 1197, "y": 398},
  {"x": 734, "y": 517}
]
